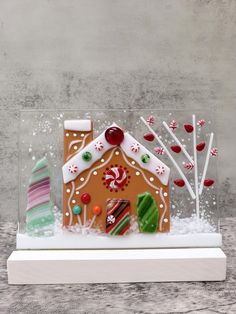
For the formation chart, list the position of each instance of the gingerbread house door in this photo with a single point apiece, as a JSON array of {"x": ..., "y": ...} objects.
[{"x": 118, "y": 216}]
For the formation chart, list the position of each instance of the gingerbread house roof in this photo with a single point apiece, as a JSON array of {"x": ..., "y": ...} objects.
[{"x": 130, "y": 146}]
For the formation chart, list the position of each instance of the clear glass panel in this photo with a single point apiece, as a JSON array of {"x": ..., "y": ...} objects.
[{"x": 41, "y": 134}]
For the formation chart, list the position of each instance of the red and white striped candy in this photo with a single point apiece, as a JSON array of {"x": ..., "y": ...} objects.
[
  {"x": 135, "y": 147},
  {"x": 214, "y": 152},
  {"x": 173, "y": 125},
  {"x": 188, "y": 165},
  {"x": 99, "y": 146},
  {"x": 115, "y": 177},
  {"x": 159, "y": 150},
  {"x": 151, "y": 120},
  {"x": 73, "y": 168},
  {"x": 201, "y": 122},
  {"x": 160, "y": 170}
]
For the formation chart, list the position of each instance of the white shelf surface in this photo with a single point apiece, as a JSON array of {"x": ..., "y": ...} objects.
[
  {"x": 126, "y": 265},
  {"x": 69, "y": 240}
]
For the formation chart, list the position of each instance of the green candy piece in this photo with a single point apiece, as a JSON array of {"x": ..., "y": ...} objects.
[
  {"x": 147, "y": 212},
  {"x": 76, "y": 209},
  {"x": 87, "y": 156},
  {"x": 145, "y": 158}
]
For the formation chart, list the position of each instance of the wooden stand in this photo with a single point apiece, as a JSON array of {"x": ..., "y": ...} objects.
[{"x": 123, "y": 265}]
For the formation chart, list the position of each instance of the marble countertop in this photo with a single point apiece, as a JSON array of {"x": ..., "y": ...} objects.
[{"x": 184, "y": 297}]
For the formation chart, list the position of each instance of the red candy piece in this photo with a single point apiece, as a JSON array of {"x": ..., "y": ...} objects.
[
  {"x": 179, "y": 182},
  {"x": 188, "y": 128},
  {"x": 176, "y": 149},
  {"x": 114, "y": 135},
  {"x": 208, "y": 182},
  {"x": 200, "y": 146},
  {"x": 149, "y": 137},
  {"x": 85, "y": 198},
  {"x": 97, "y": 210}
]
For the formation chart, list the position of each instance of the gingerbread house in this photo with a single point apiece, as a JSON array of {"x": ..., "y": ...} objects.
[{"x": 112, "y": 182}]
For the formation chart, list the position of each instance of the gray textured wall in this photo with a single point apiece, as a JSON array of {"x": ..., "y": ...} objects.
[{"x": 92, "y": 53}]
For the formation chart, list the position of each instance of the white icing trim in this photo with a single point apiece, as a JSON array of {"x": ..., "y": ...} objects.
[
  {"x": 165, "y": 209},
  {"x": 69, "y": 200},
  {"x": 74, "y": 142},
  {"x": 126, "y": 147},
  {"x": 78, "y": 125},
  {"x": 153, "y": 162}
]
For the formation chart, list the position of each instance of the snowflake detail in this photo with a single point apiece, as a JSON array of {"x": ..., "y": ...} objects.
[
  {"x": 201, "y": 122},
  {"x": 160, "y": 170},
  {"x": 188, "y": 165},
  {"x": 151, "y": 120},
  {"x": 214, "y": 152},
  {"x": 99, "y": 146},
  {"x": 173, "y": 125},
  {"x": 135, "y": 147},
  {"x": 159, "y": 150},
  {"x": 73, "y": 168},
  {"x": 111, "y": 219}
]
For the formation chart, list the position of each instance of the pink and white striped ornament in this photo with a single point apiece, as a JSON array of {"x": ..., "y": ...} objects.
[
  {"x": 151, "y": 120},
  {"x": 201, "y": 122},
  {"x": 188, "y": 166},
  {"x": 173, "y": 125},
  {"x": 159, "y": 150},
  {"x": 73, "y": 168},
  {"x": 160, "y": 170},
  {"x": 99, "y": 146},
  {"x": 135, "y": 147},
  {"x": 214, "y": 152}
]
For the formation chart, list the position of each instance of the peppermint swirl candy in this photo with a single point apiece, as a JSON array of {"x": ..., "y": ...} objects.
[
  {"x": 73, "y": 168},
  {"x": 116, "y": 177}
]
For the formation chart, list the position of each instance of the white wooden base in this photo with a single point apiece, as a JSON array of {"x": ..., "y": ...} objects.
[{"x": 126, "y": 265}]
